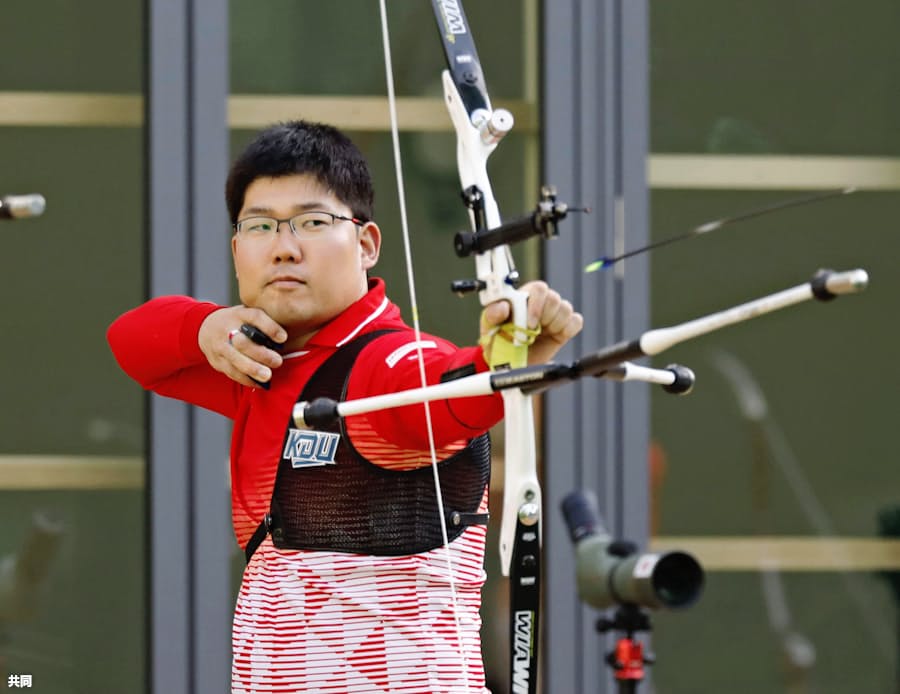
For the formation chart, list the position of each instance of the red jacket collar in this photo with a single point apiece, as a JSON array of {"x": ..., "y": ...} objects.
[{"x": 373, "y": 308}]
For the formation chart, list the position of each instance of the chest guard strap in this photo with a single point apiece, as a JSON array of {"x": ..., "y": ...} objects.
[{"x": 327, "y": 496}]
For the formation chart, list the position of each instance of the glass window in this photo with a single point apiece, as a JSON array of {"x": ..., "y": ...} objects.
[
  {"x": 777, "y": 470},
  {"x": 72, "y": 560}
]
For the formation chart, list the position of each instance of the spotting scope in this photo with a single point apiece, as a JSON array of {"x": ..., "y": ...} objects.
[{"x": 612, "y": 572}]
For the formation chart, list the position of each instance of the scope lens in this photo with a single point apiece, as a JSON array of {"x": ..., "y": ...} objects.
[{"x": 677, "y": 579}]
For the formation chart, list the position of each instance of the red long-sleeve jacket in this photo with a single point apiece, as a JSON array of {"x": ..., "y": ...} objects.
[{"x": 156, "y": 344}]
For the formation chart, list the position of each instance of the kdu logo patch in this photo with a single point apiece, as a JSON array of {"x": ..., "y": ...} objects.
[{"x": 306, "y": 448}]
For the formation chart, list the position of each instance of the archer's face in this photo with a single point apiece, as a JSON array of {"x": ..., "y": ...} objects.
[{"x": 302, "y": 281}]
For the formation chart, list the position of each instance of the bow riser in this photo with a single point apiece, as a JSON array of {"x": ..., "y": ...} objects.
[
  {"x": 494, "y": 268},
  {"x": 478, "y": 130},
  {"x": 474, "y": 146},
  {"x": 521, "y": 487}
]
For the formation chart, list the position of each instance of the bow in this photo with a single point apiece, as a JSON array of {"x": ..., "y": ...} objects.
[
  {"x": 479, "y": 128},
  {"x": 771, "y": 451}
]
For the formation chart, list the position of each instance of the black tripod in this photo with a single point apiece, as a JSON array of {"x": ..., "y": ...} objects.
[{"x": 628, "y": 658}]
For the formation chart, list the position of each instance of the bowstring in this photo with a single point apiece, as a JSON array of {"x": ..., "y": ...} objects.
[{"x": 414, "y": 308}]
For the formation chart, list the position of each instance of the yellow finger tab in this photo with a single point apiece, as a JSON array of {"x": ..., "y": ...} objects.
[{"x": 501, "y": 348}]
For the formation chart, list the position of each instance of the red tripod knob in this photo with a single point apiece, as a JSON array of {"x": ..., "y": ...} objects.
[{"x": 628, "y": 660}]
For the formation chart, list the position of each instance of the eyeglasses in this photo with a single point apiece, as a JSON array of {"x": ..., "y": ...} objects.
[{"x": 304, "y": 225}]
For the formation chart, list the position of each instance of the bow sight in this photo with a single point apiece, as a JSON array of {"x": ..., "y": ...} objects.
[
  {"x": 542, "y": 222},
  {"x": 613, "y": 572}
]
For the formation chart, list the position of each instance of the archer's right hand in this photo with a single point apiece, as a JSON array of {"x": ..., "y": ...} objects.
[{"x": 230, "y": 351}]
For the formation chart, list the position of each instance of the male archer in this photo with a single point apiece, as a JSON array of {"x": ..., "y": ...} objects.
[{"x": 346, "y": 586}]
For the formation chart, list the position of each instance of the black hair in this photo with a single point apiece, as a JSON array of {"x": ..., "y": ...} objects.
[{"x": 301, "y": 147}]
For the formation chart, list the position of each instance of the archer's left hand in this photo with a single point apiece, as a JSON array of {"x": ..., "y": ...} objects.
[{"x": 558, "y": 321}]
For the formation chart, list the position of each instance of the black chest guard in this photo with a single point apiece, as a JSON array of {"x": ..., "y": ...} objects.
[{"x": 327, "y": 496}]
